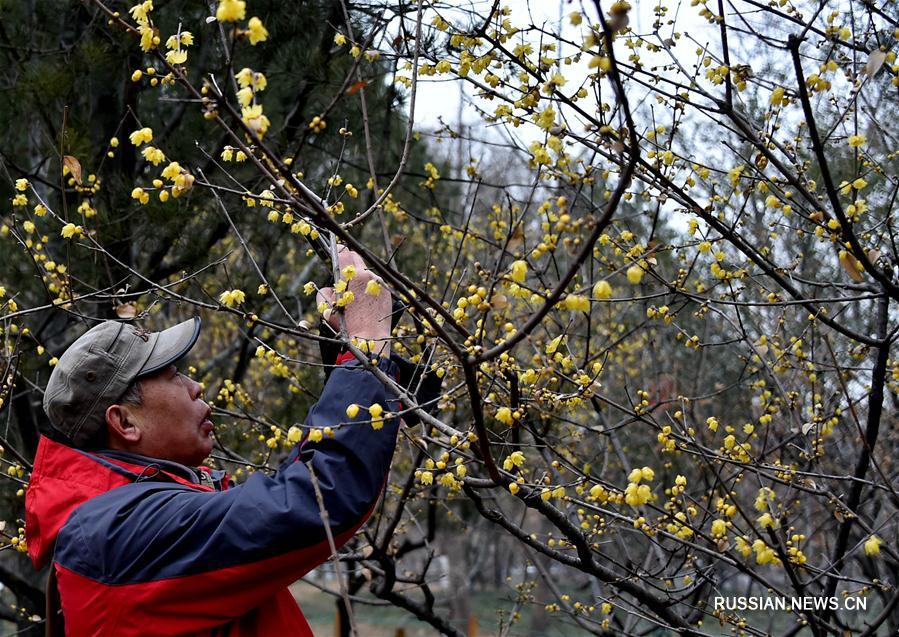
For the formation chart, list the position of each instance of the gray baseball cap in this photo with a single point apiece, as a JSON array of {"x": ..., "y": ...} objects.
[{"x": 97, "y": 368}]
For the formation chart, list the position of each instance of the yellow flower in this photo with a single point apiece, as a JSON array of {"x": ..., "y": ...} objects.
[
  {"x": 294, "y": 435},
  {"x": 70, "y": 230},
  {"x": 553, "y": 345},
  {"x": 176, "y": 57},
  {"x": 28, "y": 226},
  {"x": 373, "y": 288},
  {"x": 634, "y": 274},
  {"x": 230, "y": 298},
  {"x": 245, "y": 96},
  {"x": 602, "y": 290},
  {"x": 515, "y": 459},
  {"x": 513, "y": 488},
  {"x": 141, "y": 136},
  {"x": 139, "y": 11},
  {"x": 504, "y": 415},
  {"x": 20, "y": 200},
  {"x": 519, "y": 271},
  {"x": 256, "y": 31},
  {"x": 859, "y": 183},
  {"x": 247, "y": 78},
  {"x": 183, "y": 183},
  {"x": 576, "y": 303},
  {"x": 719, "y": 528},
  {"x": 135, "y": 77},
  {"x": 255, "y": 119},
  {"x": 857, "y": 141},
  {"x": 21, "y": 185},
  {"x": 171, "y": 171},
  {"x": 777, "y": 96},
  {"x": 426, "y": 477},
  {"x": 766, "y": 521},
  {"x": 148, "y": 38},
  {"x": 601, "y": 62},
  {"x": 315, "y": 435},
  {"x": 153, "y": 155},
  {"x": 872, "y": 545},
  {"x": 140, "y": 194},
  {"x": 375, "y": 410},
  {"x": 637, "y": 494},
  {"x": 339, "y": 39},
  {"x": 231, "y": 10},
  {"x": 352, "y": 411}
]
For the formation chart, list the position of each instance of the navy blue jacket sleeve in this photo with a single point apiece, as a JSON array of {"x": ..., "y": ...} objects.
[{"x": 260, "y": 535}]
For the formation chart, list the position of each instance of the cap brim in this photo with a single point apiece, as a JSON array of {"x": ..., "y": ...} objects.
[{"x": 171, "y": 345}]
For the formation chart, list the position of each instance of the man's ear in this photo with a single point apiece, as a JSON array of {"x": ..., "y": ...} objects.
[{"x": 119, "y": 426}]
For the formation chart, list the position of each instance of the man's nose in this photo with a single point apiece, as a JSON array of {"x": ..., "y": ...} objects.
[{"x": 196, "y": 389}]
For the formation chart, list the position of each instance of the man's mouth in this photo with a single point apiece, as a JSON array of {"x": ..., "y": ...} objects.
[{"x": 207, "y": 426}]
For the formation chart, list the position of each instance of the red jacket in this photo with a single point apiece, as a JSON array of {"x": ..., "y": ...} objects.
[{"x": 141, "y": 548}]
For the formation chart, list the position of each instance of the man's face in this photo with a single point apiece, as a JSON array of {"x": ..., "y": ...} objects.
[{"x": 172, "y": 418}]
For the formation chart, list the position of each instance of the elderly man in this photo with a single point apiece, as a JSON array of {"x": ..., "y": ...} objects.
[{"x": 142, "y": 542}]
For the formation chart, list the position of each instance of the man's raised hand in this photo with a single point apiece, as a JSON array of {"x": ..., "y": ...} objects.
[{"x": 364, "y": 300}]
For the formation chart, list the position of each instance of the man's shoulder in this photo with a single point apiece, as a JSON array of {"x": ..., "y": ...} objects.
[
  {"x": 120, "y": 505},
  {"x": 116, "y": 525}
]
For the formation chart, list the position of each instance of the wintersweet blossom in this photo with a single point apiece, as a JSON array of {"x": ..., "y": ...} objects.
[
  {"x": 141, "y": 136},
  {"x": 602, "y": 290},
  {"x": 232, "y": 298},
  {"x": 256, "y": 31},
  {"x": 70, "y": 230},
  {"x": 519, "y": 271},
  {"x": 231, "y": 10},
  {"x": 872, "y": 545}
]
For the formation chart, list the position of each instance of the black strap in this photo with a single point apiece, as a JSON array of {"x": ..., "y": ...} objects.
[{"x": 54, "y": 621}]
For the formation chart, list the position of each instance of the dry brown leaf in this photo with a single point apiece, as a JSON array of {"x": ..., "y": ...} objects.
[
  {"x": 516, "y": 239},
  {"x": 850, "y": 264},
  {"x": 807, "y": 427},
  {"x": 499, "y": 301},
  {"x": 74, "y": 167},
  {"x": 126, "y": 311},
  {"x": 875, "y": 61}
]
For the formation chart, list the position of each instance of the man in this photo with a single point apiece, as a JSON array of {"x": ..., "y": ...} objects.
[{"x": 142, "y": 543}]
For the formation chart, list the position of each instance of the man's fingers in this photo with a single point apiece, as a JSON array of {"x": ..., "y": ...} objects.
[
  {"x": 346, "y": 257},
  {"x": 325, "y": 295}
]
